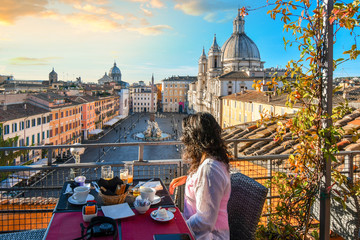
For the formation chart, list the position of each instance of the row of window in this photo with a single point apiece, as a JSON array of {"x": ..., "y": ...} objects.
[
  {"x": 35, "y": 139},
  {"x": 138, "y": 98},
  {"x": 171, "y": 100},
  {"x": 25, "y": 124},
  {"x": 172, "y": 92},
  {"x": 66, "y": 113},
  {"x": 142, "y": 104},
  {"x": 67, "y": 138},
  {"x": 65, "y": 128},
  {"x": 175, "y": 85}
]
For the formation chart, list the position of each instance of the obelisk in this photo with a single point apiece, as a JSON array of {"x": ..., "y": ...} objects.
[{"x": 152, "y": 109}]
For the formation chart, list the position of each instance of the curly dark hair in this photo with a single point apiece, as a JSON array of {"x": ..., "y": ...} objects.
[{"x": 202, "y": 136}]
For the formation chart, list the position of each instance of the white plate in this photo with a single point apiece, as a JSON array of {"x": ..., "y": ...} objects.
[
  {"x": 156, "y": 200},
  {"x": 73, "y": 201},
  {"x": 170, "y": 216}
]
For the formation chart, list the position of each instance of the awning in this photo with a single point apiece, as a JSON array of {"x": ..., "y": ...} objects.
[
  {"x": 112, "y": 121},
  {"x": 120, "y": 117},
  {"x": 31, "y": 173},
  {"x": 95, "y": 131},
  {"x": 9, "y": 182}
]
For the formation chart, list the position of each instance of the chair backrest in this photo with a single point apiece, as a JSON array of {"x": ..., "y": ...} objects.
[
  {"x": 36, "y": 234},
  {"x": 245, "y": 206}
]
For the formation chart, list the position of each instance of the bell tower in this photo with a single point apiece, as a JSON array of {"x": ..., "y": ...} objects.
[{"x": 214, "y": 61}]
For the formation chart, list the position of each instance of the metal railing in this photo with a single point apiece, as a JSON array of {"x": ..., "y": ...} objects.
[{"x": 32, "y": 192}]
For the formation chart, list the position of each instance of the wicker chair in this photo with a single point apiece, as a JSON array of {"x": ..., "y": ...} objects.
[
  {"x": 245, "y": 206},
  {"x": 37, "y": 234}
]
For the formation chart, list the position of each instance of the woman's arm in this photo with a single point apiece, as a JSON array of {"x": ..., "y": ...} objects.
[
  {"x": 208, "y": 193},
  {"x": 177, "y": 182}
]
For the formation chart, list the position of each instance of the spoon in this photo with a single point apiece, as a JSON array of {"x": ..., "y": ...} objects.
[{"x": 154, "y": 213}]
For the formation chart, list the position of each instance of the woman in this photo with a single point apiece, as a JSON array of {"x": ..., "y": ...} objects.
[{"x": 207, "y": 188}]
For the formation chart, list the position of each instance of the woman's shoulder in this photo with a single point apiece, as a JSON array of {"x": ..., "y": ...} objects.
[{"x": 214, "y": 166}]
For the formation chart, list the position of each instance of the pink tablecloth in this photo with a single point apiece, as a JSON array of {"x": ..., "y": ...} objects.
[
  {"x": 144, "y": 227},
  {"x": 66, "y": 225}
]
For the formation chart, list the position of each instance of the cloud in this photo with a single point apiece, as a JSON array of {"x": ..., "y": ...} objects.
[
  {"x": 92, "y": 15},
  {"x": 98, "y": 10},
  {"x": 92, "y": 22},
  {"x": 199, "y": 7},
  {"x": 219, "y": 18},
  {"x": 31, "y": 61},
  {"x": 98, "y": 2},
  {"x": 152, "y": 3},
  {"x": 146, "y": 11},
  {"x": 212, "y": 11},
  {"x": 152, "y": 30},
  {"x": 11, "y": 10}
]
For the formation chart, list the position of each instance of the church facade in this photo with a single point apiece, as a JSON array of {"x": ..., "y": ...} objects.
[{"x": 227, "y": 70}]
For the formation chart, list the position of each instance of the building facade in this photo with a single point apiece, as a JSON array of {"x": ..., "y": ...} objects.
[
  {"x": 124, "y": 99},
  {"x": 88, "y": 115},
  {"x": 174, "y": 93},
  {"x": 246, "y": 106},
  {"x": 31, "y": 124},
  {"x": 65, "y": 125},
  {"x": 141, "y": 99},
  {"x": 227, "y": 70}
]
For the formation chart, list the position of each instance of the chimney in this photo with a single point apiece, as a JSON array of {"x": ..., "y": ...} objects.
[
  {"x": 269, "y": 97},
  {"x": 275, "y": 90},
  {"x": 4, "y": 105},
  {"x": 25, "y": 106}
]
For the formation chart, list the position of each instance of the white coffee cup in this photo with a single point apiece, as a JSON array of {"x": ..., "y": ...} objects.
[
  {"x": 80, "y": 194},
  {"x": 147, "y": 192},
  {"x": 80, "y": 180}
]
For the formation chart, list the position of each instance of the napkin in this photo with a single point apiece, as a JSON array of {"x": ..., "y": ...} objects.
[
  {"x": 68, "y": 189},
  {"x": 117, "y": 211},
  {"x": 153, "y": 184}
]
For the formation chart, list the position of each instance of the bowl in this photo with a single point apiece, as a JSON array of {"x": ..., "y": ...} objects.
[{"x": 142, "y": 208}]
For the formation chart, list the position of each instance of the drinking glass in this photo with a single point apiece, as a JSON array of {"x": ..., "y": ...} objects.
[
  {"x": 130, "y": 168},
  {"x": 106, "y": 172},
  {"x": 124, "y": 175}
]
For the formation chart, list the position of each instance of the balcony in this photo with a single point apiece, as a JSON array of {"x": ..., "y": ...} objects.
[{"x": 28, "y": 194}]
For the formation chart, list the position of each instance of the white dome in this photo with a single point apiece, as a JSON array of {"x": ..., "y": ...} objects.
[{"x": 239, "y": 47}]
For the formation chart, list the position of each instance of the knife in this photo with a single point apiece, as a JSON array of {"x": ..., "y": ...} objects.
[
  {"x": 139, "y": 185},
  {"x": 96, "y": 186}
]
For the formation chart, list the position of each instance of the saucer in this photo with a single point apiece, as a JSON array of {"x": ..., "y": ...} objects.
[
  {"x": 156, "y": 200},
  {"x": 170, "y": 216},
  {"x": 73, "y": 201}
]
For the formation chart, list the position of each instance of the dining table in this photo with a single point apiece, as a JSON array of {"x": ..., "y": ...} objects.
[{"x": 67, "y": 219}]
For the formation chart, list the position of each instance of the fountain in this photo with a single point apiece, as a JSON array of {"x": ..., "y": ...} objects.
[{"x": 152, "y": 132}]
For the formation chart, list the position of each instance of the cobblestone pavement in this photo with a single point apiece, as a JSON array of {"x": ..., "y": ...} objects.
[{"x": 170, "y": 123}]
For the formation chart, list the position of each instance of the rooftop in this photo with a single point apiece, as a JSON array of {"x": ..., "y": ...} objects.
[{"x": 16, "y": 111}]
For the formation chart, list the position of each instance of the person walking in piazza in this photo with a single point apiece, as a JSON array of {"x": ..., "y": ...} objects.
[{"x": 207, "y": 185}]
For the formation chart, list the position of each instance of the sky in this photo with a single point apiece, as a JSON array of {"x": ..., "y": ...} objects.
[{"x": 144, "y": 37}]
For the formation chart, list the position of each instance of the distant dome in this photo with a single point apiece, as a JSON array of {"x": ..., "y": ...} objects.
[
  {"x": 105, "y": 79},
  {"x": 115, "y": 73},
  {"x": 53, "y": 77},
  {"x": 239, "y": 47}
]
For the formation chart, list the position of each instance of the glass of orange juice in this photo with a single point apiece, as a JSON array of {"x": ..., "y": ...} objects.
[
  {"x": 124, "y": 175},
  {"x": 130, "y": 169}
]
